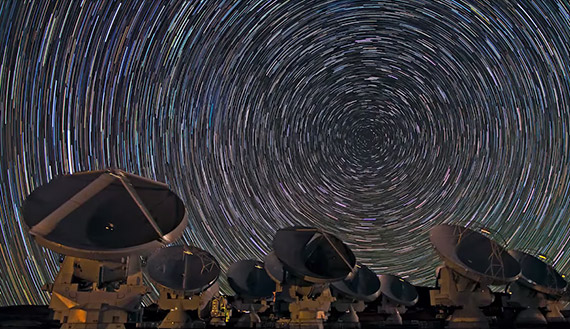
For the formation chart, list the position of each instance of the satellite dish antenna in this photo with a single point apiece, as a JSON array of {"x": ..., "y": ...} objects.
[
  {"x": 538, "y": 275},
  {"x": 539, "y": 286},
  {"x": 253, "y": 286},
  {"x": 92, "y": 215},
  {"x": 313, "y": 255},
  {"x": 472, "y": 261},
  {"x": 311, "y": 259},
  {"x": 277, "y": 272},
  {"x": 89, "y": 217},
  {"x": 274, "y": 268},
  {"x": 183, "y": 269},
  {"x": 186, "y": 277},
  {"x": 398, "y": 290},
  {"x": 364, "y": 285},
  {"x": 249, "y": 279},
  {"x": 397, "y": 294},
  {"x": 352, "y": 292}
]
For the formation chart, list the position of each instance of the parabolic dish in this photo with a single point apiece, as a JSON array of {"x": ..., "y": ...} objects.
[
  {"x": 313, "y": 255},
  {"x": 104, "y": 214},
  {"x": 474, "y": 255},
  {"x": 274, "y": 267},
  {"x": 398, "y": 290},
  {"x": 248, "y": 278},
  {"x": 183, "y": 268},
  {"x": 364, "y": 285},
  {"x": 538, "y": 275}
]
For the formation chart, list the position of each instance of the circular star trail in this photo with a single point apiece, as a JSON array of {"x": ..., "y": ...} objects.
[{"x": 374, "y": 120}]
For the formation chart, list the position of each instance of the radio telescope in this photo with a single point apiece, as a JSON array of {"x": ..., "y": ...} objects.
[
  {"x": 397, "y": 294},
  {"x": 253, "y": 288},
  {"x": 304, "y": 262},
  {"x": 540, "y": 286},
  {"x": 352, "y": 292},
  {"x": 186, "y": 277},
  {"x": 472, "y": 261},
  {"x": 89, "y": 217}
]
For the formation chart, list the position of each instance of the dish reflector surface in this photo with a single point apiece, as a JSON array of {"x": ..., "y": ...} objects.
[
  {"x": 248, "y": 278},
  {"x": 104, "y": 214},
  {"x": 474, "y": 255},
  {"x": 183, "y": 268},
  {"x": 274, "y": 267},
  {"x": 364, "y": 285},
  {"x": 538, "y": 275},
  {"x": 398, "y": 290},
  {"x": 313, "y": 255}
]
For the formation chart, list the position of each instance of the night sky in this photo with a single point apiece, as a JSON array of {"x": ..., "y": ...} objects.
[{"x": 374, "y": 120}]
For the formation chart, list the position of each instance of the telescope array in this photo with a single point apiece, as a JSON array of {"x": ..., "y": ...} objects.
[{"x": 113, "y": 226}]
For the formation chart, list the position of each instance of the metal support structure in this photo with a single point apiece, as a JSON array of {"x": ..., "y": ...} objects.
[
  {"x": 393, "y": 311},
  {"x": 459, "y": 291},
  {"x": 96, "y": 303},
  {"x": 349, "y": 307},
  {"x": 179, "y": 303},
  {"x": 308, "y": 309},
  {"x": 534, "y": 303}
]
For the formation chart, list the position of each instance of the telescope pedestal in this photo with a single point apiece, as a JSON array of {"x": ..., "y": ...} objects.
[
  {"x": 250, "y": 308},
  {"x": 350, "y": 317},
  {"x": 531, "y": 316},
  {"x": 532, "y": 301},
  {"x": 308, "y": 311},
  {"x": 393, "y": 311},
  {"x": 248, "y": 320},
  {"x": 179, "y": 303},
  {"x": 457, "y": 290},
  {"x": 553, "y": 311},
  {"x": 88, "y": 294},
  {"x": 176, "y": 318},
  {"x": 349, "y": 307}
]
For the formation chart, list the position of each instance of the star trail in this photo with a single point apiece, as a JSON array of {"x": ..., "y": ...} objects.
[{"x": 373, "y": 120}]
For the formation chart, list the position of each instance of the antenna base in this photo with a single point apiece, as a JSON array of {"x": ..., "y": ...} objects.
[
  {"x": 80, "y": 304},
  {"x": 459, "y": 291},
  {"x": 308, "y": 309},
  {"x": 532, "y": 301},
  {"x": 179, "y": 302},
  {"x": 392, "y": 310}
]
